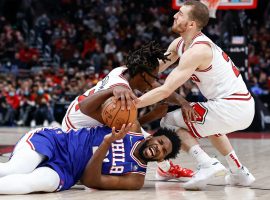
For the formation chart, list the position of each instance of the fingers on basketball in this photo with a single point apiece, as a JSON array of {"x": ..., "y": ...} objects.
[{"x": 113, "y": 116}]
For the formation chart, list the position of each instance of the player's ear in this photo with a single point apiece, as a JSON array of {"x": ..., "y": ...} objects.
[{"x": 192, "y": 24}]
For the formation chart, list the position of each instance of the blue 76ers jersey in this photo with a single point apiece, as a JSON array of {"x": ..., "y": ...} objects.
[{"x": 69, "y": 152}]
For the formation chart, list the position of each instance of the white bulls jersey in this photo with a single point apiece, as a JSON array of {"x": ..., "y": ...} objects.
[
  {"x": 74, "y": 118},
  {"x": 230, "y": 106},
  {"x": 222, "y": 78}
]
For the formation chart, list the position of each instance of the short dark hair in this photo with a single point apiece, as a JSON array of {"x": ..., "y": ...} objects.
[
  {"x": 199, "y": 13},
  {"x": 173, "y": 137},
  {"x": 145, "y": 59}
]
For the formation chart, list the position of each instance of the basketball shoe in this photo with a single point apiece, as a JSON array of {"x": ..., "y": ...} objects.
[
  {"x": 241, "y": 177},
  {"x": 204, "y": 173},
  {"x": 174, "y": 172}
]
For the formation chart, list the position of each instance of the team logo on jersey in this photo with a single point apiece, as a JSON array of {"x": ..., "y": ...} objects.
[
  {"x": 135, "y": 167},
  {"x": 202, "y": 111},
  {"x": 104, "y": 82}
]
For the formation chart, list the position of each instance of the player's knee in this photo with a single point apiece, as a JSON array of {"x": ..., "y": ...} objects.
[{"x": 48, "y": 179}]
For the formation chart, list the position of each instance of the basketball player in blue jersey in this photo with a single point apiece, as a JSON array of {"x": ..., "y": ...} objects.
[{"x": 49, "y": 159}]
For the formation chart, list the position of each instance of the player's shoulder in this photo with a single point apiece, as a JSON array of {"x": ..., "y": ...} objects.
[
  {"x": 118, "y": 70},
  {"x": 176, "y": 42},
  {"x": 173, "y": 47},
  {"x": 201, "y": 40}
]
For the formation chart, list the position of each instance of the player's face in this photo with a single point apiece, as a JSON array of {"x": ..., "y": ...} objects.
[
  {"x": 146, "y": 85},
  {"x": 155, "y": 148},
  {"x": 181, "y": 20}
]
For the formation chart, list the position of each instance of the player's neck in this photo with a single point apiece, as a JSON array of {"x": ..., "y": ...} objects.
[{"x": 189, "y": 36}]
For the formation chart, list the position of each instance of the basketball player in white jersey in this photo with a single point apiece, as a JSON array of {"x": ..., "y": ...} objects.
[
  {"x": 140, "y": 74},
  {"x": 229, "y": 106}
]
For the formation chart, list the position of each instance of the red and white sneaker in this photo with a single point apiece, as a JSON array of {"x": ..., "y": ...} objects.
[{"x": 174, "y": 172}]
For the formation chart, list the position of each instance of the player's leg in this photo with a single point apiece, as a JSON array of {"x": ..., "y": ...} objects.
[
  {"x": 174, "y": 120},
  {"x": 207, "y": 166},
  {"x": 23, "y": 160},
  {"x": 217, "y": 119},
  {"x": 239, "y": 174},
  {"x": 42, "y": 179}
]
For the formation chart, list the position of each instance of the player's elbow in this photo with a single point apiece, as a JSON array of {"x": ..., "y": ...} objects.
[
  {"x": 138, "y": 186},
  {"x": 91, "y": 184},
  {"x": 134, "y": 186}
]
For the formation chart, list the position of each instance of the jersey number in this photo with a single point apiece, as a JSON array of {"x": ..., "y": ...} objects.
[{"x": 234, "y": 68}]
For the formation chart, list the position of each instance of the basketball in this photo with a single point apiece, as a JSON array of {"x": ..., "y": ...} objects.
[{"x": 115, "y": 117}]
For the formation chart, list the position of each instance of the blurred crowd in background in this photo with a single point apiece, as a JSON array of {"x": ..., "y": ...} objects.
[{"x": 52, "y": 51}]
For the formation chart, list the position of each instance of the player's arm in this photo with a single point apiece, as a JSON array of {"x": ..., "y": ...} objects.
[
  {"x": 92, "y": 176},
  {"x": 174, "y": 98},
  {"x": 173, "y": 56},
  {"x": 180, "y": 74},
  {"x": 91, "y": 105},
  {"x": 159, "y": 111}
]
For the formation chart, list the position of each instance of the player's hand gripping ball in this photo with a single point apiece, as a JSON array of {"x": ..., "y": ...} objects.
[{"x": 114, "y": 116}]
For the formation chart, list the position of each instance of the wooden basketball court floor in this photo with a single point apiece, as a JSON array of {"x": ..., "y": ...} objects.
[{"x": 253, "y": 149}]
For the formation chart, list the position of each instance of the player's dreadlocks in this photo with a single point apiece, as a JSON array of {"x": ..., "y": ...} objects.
[{"x": 145, "y": 60}]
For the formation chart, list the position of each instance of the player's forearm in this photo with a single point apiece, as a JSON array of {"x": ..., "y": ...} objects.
[
  {"x": 91, "y": 103},
  {"x": 92, "y": 173},
  {"x": 148, "y": 118},
  {"x": 177, "y": 99},
  {"x": 152, "y": 97}
]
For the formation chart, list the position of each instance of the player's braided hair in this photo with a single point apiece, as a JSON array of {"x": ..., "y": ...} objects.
[{"x": 145, "y": 60}]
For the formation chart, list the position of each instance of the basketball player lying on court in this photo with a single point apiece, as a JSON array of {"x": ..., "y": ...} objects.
[
  {"x": 139, "y": 73},
  {"x": 49, "y": 159}
]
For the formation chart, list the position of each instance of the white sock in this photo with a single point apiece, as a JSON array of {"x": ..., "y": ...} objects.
[
  {"x": 233, "y": 161},
  {"x": 164, "y": 165},
  {"x": 24, "y": 160},
  {"x": 42, "y": 179},
  {"x": 199, "y": 154}
]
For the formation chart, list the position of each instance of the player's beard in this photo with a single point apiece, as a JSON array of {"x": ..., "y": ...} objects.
[
  {"x": 181, "y": 28},
  {"x": 141, "y": 149}
]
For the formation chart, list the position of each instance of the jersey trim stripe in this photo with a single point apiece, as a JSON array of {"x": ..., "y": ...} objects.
[
  {"x": 178, "y": 45},
  {"x": 238, "y": 94},
  {"x": 134, "y": 158},
  {"x": 29, "y": 142},
  {"x": 68, "y": 120},
  {"x": 192, "y": 130},
  {"x": 201, "y": 42},
  {"x": 67, "y": 123},
  {"x": 142, "y": 173},
  {"x": 199, "y": 34},
  {"x": 205, "y": 70},
  {"x": 122, "y": 75},
  {"x": 241, "y": 97},
  {"x": 135, "y": 134}
]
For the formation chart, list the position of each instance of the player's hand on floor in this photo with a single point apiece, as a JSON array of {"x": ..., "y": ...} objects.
[
  {"x": 189, "y": 114},
  {"x": 118, "y": 134}
]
